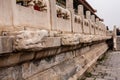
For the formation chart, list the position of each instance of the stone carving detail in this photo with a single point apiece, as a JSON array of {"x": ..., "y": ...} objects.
[
  {"x": 39, "y": 5},
  {"x": 29, "y": 39},
  {"x": 62, "y": 13},
  {"x": 70, "y": 39},
  {"x": 78, "y": 19},
  {"x": 86, "y": 38},
  {"x": 73, "y": 39}
]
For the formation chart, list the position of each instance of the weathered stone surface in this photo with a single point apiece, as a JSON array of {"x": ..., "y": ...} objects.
[
  {"x": 46, "y": 75},
  {"x": 12, "y": 73},
  {"x": 81, "y": 10},
  {"x": 51, "y": 42},
  {"x": 35, "y": 40},
  {"x": 9, "y": 60},
  {"x": 69, "y": 67},
  {"x": 6, "y": 44},
  {"x": 86, "y": 38},
  {"x": 60, "y": 67},
  {"x": 85, "y": 49},
  {"x": 65, "y": 58},
  {"x": 89, "y": 58},
  {"x": 26, "y": 56},
  {"x": 69, "y": 4},
  {"x": 93, "y": 18},
  {"x": 88, "y": 14},
  {"x": 29, "y": 39},
  {"x": 70, "y": 39}
]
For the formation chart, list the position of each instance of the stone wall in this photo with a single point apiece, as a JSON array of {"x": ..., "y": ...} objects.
[
  {"x": 67, "y": 63},
  {"x": 54, "y": 44},
  {"x": 52, "y": 18}
]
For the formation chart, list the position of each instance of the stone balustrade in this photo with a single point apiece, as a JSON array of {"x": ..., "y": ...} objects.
[
  {"x": 57, "y": 22},
  {"x": 78, "y": 24},
  {"x": 51, "y": 43},
  {"x": 20, "y": 18},
  {"x": 63, "y": 19}
]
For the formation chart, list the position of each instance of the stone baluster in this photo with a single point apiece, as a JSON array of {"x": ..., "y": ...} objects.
[
  {"x": 80, "y": 10},
  {"x": 97, "y": 21},
  {"x": 93, "y": 18},
  {"x": 69, "y": 6},
  {"x": 53, "y": 14},
  {"x": 88, "y": 14},
  {"x": 101, "y": 28},
  {"x": 104, "y": 28},
  {"x": 81, "y": 13},
  {"x": 114, "y": 38}
]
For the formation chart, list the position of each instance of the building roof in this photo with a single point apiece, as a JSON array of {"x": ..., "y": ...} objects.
[
  {"x": 87, "y": 5},
  {"x": 90, "y": 8}
]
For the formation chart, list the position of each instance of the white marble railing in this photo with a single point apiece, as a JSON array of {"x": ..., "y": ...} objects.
[
  {"x": 27, "y": 16},
  {"x": 63, "y": 19},
  {"x": 52, "y": 27},
  {"x": 78, "y": 24}
]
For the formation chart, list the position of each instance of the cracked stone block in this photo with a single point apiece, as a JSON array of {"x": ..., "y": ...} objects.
[
  {"x": 35, "y": 40},
  {"x": 6, "y": 44},
  {"x": 51, "y": 42},
  {"x": 70, "y": 40}
]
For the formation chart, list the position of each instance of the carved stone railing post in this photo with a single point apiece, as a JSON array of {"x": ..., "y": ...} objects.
[
  {"x": 80, "y": 11},
  {"x": 92, "y": 26},
  {"x": 14, "y": 10},
  {"x": 101, "y": 28},
  {"x": 114, "y": 38},
  {"x": 6, "y": 15},
  {"x": 104, "y": 28},
  {"x": 53, "y": 14},
  {"x": 69, "y": 5},
  {"x": 93, "y": 18},
  {"x": 88, "y": 16},
  {"x": 98, "y": 23}
]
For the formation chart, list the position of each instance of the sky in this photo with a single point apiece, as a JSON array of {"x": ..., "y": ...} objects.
[{"x": 109, "y": 10}]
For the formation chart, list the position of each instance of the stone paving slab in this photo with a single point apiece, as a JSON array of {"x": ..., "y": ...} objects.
[{"x": 109, "y": 69}]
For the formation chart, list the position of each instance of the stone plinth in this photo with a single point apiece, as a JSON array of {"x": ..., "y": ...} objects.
[{"x": 6, "y": 44}]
